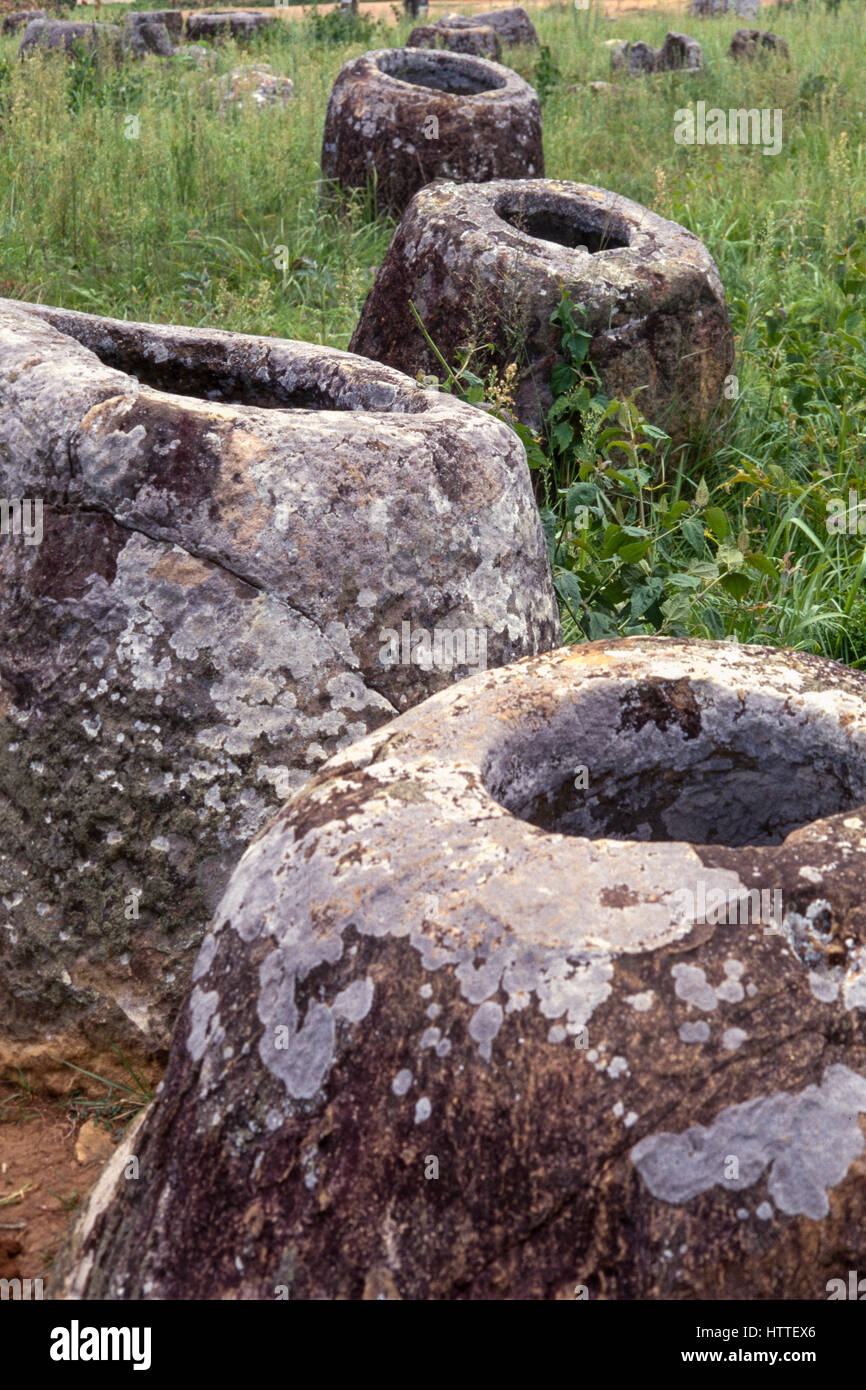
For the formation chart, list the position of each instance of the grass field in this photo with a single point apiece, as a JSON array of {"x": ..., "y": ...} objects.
[{"x": 726, "y": 538}]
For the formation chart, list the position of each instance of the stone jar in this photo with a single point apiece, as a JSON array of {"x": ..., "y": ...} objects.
[
  {"x": 750, "y": 43},
  {"x": 172, "y": 19},
  {"x": 680, "y": 52},
  {"x": 221, "y": 24},
  {"x": 54, "y": 34},
  {"x": 11, "y": 23},
  {"x": 512, "y": 25},
  {"x": 147, "y": 36},
  {"x": 554, "y": 987},
  {"x": 489, "y": 263},
  {"x": 402, "y": 117},
  {"x": 244, "y": 550},
  {"x": 483, "y": 40}
]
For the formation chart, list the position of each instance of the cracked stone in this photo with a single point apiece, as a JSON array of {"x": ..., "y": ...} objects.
[
  {"x": 232, "y": 527},
  {"x": 482, "y": 263},
  {"x": 399, "y": 118},
  {"x": 532, "y": 913}
]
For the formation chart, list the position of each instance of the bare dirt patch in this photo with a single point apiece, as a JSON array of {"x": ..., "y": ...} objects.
[
  {"x": 390, "y": 11},
  {"x": 42, "y": 1180}
]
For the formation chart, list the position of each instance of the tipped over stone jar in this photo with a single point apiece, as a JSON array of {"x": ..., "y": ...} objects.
[
  {"x": 246, "y": 554},
  {"x": 554, "y": 987}
]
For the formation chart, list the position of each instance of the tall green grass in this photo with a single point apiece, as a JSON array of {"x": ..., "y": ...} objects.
[{"x": 183, "y": 222}]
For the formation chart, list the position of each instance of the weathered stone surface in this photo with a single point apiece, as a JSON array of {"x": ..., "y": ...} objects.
[
  {"x": 462, "y": 1007},
  {"x": 257, "y": 86},
  {"x": 220, "y": 24},
  {"x": 231, "y": 526},
  {"x": 680, "y": 51},
  {"x": 172, "y": 19},
  {"x": 512, "y": 25},
  {"x": 402, "y": 117},
  {"x": 749, "y": 43},
  {"x": 11, "y": 23},
  {"x": 57, "y": 34},
  {"x": 482, "y": 40},
  {"x": 638, "y": 57},
  {"x": 705, "y": 9},
  {"x": 488, "y": 263},
  {"x": 425, "y": 36},
  {"x": 147, "y": 37}
]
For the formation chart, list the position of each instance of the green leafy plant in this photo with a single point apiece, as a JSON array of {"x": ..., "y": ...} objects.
[
  {"x": 337, "y": 27},
  {"x": 629, "y": 554},
  {"x": 95, "y": 80},
  {"x": 547, "y": 75}
]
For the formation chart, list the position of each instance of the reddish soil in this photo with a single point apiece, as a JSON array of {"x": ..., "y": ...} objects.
[
  {"x": 384, "y": 9},
  {"x": 42, "y": 1183}
]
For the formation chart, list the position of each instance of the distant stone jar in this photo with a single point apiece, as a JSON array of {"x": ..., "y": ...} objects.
[
  {"x": 554, "y": 987},
  {"x": 172, "y": 19},
  {"x": 482, "y": 41},
  {"x": 147, "y": 36},
  {"x": 512, "y": 25},
  {"x": 488, "y": 263},
  {"x": 232, "y": 557},
  {"x": 751, "y": 43},
  {"x": 67, "y": 37},
  {"x": 705, "y": 9},
  {"x": 11, "y": 23},
  {"x": 399, "y": 118},
  {"x": 636, "y": 57},
  {"x": 221, "y": 24},
  {"x": 678, "y": 53}
]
